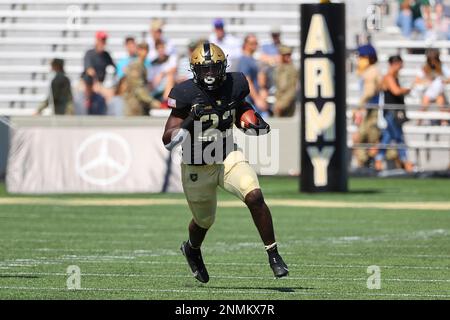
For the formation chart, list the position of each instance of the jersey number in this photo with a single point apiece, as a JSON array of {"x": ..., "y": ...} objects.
[{"x": 211, "y": 134}]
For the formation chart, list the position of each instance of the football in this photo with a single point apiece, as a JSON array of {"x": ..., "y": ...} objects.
[{"x": 247, "y": 118}]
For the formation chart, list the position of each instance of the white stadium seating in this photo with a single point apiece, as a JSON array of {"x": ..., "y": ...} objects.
[
  {"x": 21, "y": 21},
  {"x": 32, "y": 32},
  {"x": 42, "y": 25}
]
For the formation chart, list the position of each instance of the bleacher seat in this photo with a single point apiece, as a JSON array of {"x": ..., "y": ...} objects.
[
  {"x": 22, "y": 20},
  {"x": 32, "y": 32}
]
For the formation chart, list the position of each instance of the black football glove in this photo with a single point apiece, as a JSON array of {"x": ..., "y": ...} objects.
[
  {"x": 197, "y": 111},
  {"x": 261, "y": 128}
]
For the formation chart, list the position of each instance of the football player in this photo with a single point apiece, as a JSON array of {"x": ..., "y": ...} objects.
[{"x": 204, "y": 110}]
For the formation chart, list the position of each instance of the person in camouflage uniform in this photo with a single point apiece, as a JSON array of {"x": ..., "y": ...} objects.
[
  {"x": 286, "y": 78},
  {"x": 366, "y": 119},
  {"x": 138, "y": 100}
]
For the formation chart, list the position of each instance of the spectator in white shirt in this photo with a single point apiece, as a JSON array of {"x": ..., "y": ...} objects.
[
  {"x": 230, "y": 45},
  {"x": 161, "y": 75},
  {"x": 184, "y": 65},
  {"x": 156, "y": 35},
  {"x": 433, "y": 76}
]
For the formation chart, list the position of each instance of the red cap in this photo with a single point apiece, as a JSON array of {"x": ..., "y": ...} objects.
[{"x": 101, "y": 35}]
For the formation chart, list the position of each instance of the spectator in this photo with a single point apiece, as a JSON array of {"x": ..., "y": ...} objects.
[
  {"x": 161, "y": 76},
  {"x": 414, "y": 15},
  {"x": 98, "y": 59},
  {"x": 116, "y": 106},
  {"x": 270, "y": 51},
  {"x": 370, "y": 75},
  {"x": 230, "y": 45},
  {"x": 156, "y": 32},
  {"x": 138, "y": 100},
  {"x": 89, "y": 102},
  {"x": 131, "y": 47},
  {"x": 366, "y": 121},
  {"x": 434, "y": 76},
  {"x": 184, "y": 67},
  {"x": 60, "y": 91},
  {"x": 286, "y": 78},
  {"x": 269, "y": 58},
  {"x": 108, "y": 87},
  {"x": 442, "y": 8},
  {"x": 249, "y": 67},
  {"x": 394, "y": 94}
]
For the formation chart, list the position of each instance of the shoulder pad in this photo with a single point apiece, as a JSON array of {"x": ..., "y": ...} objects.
[
  {"x": 240, "y": 88},
  {"x": 183, "y": 92}
]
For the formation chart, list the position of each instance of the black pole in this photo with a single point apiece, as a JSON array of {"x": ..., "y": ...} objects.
[{"x": 323, "y": 98}]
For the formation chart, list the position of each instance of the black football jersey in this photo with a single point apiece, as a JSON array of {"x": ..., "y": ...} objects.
[{"x": 211, "y": 138}]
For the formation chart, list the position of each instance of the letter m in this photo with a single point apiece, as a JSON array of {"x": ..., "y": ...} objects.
[{"x": 320, "y": 123}]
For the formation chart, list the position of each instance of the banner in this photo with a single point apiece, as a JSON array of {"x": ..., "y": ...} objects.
[
  {"x": 323, "y": 98},
  {"x": 87, "y": 160},
  {"x": 4, "y": 145}
]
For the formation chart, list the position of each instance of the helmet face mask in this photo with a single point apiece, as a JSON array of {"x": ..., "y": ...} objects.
[
  {"x": 208, "y": 64},
  {"x": 211, "y": 76}
]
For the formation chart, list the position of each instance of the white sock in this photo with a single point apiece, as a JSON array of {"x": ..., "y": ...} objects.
[
  {"x": 190, "y": 245},
  {"x": 269, "y": 247}
]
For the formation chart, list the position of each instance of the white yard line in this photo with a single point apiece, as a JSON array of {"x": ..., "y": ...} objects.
[
  {"x": 418, "y": 234},
  {"x": 317, "y": 243},
  {"x": 136, "y": 275},
  {"x": 369, "y": 245},
  {"x": 285, "y": 245},
  {"x": 435, "y": 205},
  {"x": 248, "y": 292},
  {"x": 372, "y": 253},
  {"x": 169, "y": 252},
  {"x": 90, "y": 202},
  {"x": 445, "y": 206},
  {"x": 64, "y": 261}
]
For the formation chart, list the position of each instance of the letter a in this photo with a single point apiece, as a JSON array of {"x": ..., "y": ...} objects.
[{"x": 318, "y": 38}]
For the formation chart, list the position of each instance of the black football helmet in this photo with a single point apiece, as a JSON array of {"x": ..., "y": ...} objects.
[{"x": 209, "y": 65}]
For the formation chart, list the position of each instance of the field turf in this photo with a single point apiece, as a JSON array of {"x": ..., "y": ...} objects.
[{"x": 127, "y": 246}]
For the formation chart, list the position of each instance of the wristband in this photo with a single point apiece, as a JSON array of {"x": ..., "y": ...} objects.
[{"x": 179, "y": 138}]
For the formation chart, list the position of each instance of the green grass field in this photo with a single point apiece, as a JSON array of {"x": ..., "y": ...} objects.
[{"x": 128, "y": 247}]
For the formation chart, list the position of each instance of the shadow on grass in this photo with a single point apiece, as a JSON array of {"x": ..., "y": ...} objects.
[
  {"x": 279, "y": 289},
  {"x": 366, "y": 191},
  {"x": 18, "y": 277},
  {"x": 339, "y": 193}
]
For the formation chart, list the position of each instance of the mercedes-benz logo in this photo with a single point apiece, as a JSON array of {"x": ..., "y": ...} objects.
[{"x": 107, "y": 153}]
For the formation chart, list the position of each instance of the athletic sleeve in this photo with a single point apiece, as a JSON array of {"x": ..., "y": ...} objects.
[
  {"x": 179, "y": 100},
  {"x": 240, "y": 86},
  {"x": 183, "y": 114}
]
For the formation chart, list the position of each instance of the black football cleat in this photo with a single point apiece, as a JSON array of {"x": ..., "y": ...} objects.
[
  {"x": 279, "y": 268},
  {"x": 195, "y": 261}
]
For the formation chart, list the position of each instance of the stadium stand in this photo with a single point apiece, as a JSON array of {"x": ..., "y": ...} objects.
[
  {"x": 66, "y": 28},
  {"x": 44, "y": 26}
]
